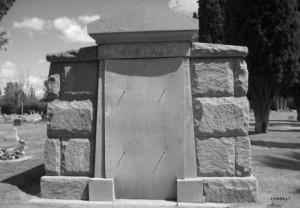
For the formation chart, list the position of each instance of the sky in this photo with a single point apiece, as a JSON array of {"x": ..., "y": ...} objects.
[{"x": 38, "y": 27}]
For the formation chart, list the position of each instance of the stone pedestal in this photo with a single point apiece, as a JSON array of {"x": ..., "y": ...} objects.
[{"x": 149, "y": 115}]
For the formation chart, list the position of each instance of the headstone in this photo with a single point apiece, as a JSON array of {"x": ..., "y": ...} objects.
[
  {"x": 17, "y": 122},
  {"x": 12, "y": 134}
]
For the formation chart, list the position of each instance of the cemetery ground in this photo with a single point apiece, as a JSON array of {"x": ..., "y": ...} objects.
[{"x": 275, "y": 164}]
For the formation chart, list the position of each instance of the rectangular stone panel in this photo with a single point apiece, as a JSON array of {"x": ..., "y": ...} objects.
[
  {"x": 215, "y": 156},
  {"x": 220, "y": 117},
  {"x": 52, "y": 157},
  {"x": 64, "y": 187},
  {"x": 101, "y": 189},
  {"x": 77, "y": 157},
  {"x": 230, "y": 189},
  {"x": 70, "y": 119},
  {"x": 190, "y": 190},
  {"x": 212, "y": 77},
  {"x": 144, "y": 50},
  {"x": 144, "y": 126}
]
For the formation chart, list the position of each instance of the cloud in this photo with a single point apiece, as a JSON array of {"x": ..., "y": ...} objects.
[
  {"x": 8, "y": 73},
  {"x": 31, "y": 24},
  {"x": 74, "y": 31},
  {"x": 187, "y": 7},
  {"x": 37, "y": 83},
  {"x": 41, "y": 61},
  {"x": 88, "y": 19}
]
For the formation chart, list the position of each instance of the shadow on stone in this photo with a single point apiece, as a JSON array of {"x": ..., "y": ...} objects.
[
  {"x": 285, "y": 130},
  {"x": 296, "y": 124},
  {"x": 28, "y": 181},
  {"x": 297, "y": 191},
  {"x": 283, "y": 163},
  {"x": 276, "y": 144}
]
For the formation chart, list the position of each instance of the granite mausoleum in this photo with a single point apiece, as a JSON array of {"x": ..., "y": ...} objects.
[{"x": 147, "y": 114}]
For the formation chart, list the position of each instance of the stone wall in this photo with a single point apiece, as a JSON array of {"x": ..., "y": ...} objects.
[
  {"x": 219, "y": 80},
  {"x": 219, "y": 83},
  {"x": 73, "y": 86}
]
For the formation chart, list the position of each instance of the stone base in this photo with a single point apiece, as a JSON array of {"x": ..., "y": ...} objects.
[
  {"x": 64, "y": 187},
  {"x": 199, "y": 190},
  {"x": 101, "y": 189},
  {"x": 230, "y": 189},
  {"x": 217, "y": 190},
  {"x": 190, "y": 190},
  {"x": 123, "y": 203}
]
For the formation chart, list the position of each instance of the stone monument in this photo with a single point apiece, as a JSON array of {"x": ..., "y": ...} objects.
[{"x": 146, "y": 114}]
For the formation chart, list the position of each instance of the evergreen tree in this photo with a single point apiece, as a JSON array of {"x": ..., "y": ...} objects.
[
  {"x": 211, "y": 15},
  {"x": 270, "y": 30},
  {"x": 4, "y": 7}
]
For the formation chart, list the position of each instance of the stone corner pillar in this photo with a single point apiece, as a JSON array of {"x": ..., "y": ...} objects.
[{"x": 219, "y": 79}]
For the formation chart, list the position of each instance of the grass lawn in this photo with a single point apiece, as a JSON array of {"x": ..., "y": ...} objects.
[{"x": 275, "y": 163}]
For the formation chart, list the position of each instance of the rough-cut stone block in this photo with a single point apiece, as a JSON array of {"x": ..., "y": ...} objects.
[
  {"x": 227, "y": 116},
  {"x": 202, "y": 50},
  {"x": 80, "y": 80},
  {"x": 53, "y": 86},
  {"x": 243, "y": 156},
  {"x": 215, "y": 156},
  {"x": 230, "y": 189},
  {"x": 77, "y": 157},
  {"x": 70, "y": 119},
  {"x": 101, "y": 189},
  {"x": 62, "y": 187},
  {"x": 81, "y": 54},
  {"x": 240, "y": 77},
  {"x": 212, "y": 78},
  {"x": 52, "y": 156},
  {"x": 190, "y": 190}
]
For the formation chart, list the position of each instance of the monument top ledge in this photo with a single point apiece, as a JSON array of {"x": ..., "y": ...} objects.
[{"x": 143, "y": 22}]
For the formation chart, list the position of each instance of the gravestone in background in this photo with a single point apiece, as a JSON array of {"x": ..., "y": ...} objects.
[
  {"x": 17, "y": 122},
  {"x": 146, "y": 114}
]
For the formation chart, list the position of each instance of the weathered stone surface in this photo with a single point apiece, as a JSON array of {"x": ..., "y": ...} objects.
[
  {"x": 240, "y": 77},
  {"x": 62, "y": 187},
  {"x": 81, "y": 54},
  {"x": 70, "y": 119},
  {"x": 217, "y": 50},
  {"x": 79, "y": 80},
  {"x": 141, "y": 23},
  {"x": 77, "y": 157},
  {"x": 144, "y": 50},
  {"x": 101, "y": 189},
  {"x": 52, "y": 157},
  {"x": 212, "y": 77},
  {"x": 53, "y": 87},
  {"x": 190, "y": 190},
  {"x": 227, "y": 116},
  {"x": 230, "y": 189},
  {"x": 215, "y": 156},
  {"x": 243, "y": 156}
]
